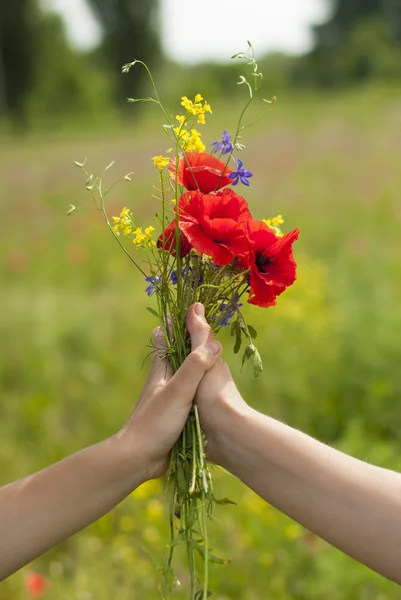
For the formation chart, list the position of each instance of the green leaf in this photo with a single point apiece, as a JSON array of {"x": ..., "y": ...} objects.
[
  {"x": 152, "y": 311},
  {"x": 224, "y": 501},
  {"x": 238, "y": 338},
  {"x": 257, "y": 363},
  {"x": 182, "y": 481},
  {"x": 252, "y": 332},
  {"x": 248, "y": 353}
]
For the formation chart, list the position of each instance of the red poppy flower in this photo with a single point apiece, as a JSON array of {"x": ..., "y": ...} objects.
[
  {"x": 271, "y": 263},
  {"x": 36, "y": 584},
  {"x": 168, "y": 240},
  {"x": 214, "y": 224},
  {"x": 201, "y": 171}
]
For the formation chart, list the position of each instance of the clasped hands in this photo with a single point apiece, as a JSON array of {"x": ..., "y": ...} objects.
[{"x": 167, "y": 398}]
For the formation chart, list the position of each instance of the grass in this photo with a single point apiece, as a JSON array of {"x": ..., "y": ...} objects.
[{"x": 74, "y": 332}]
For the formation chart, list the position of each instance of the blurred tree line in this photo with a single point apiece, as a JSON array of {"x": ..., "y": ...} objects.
[{"x": 42, "y": 77}]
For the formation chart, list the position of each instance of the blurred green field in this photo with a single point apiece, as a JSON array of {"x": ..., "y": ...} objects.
[{"x": 74, "y": 330}]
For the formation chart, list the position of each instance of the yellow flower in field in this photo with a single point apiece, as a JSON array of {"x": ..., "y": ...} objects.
[
  {"x": 266, "y": 560},
  {"x": 160, "y": 161},
  {"x": 115, "y": 229},
  {"x": 180, "y": 119},
  {"x": 154, "y": 511},
  {"x": 149, "y": 230},
  {"x": 151, "y": 535},
  {"x": 293, "y": 531},
  {"x": 129, "y": 554},
  {"x": 198, "y": 98},
  {"x": 153, "y": 487},
  {"x": 201, "y": 118},
  {"x": 126, "y": 524}
]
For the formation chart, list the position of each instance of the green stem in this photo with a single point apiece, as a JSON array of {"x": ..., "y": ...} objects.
[{"x": 204, "y": 512}]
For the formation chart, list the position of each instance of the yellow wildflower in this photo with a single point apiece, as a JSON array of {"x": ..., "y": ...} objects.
[
  {"x": 274, "y": 224},
  {"x": 196, "y": 108},
  {"x": 160, "y": 161},
  {"x": 140, "y": 237},
  {"x": 194, "y": 142},
  {"x": 125, "y": 213},
  {"x": 143, "y": 238},
  {"x": 115, "y": 229},
  {"x": 277, "y": 220},
  {"x": 186, "y": 103},
  {"x": 181, "y": 133},
  {"x": 180, "y": 119}
]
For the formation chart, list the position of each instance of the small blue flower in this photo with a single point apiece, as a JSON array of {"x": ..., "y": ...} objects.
[
  {"x": 224, "y": 145},
  {"x": 184, "y": 274},
  {"x": 234, "y": 306},
  {"x": 153, "y": 281},
  {"x": 240, "y": 174}
]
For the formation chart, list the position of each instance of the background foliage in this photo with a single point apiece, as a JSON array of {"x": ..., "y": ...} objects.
[{"x": 73, "y": 323}]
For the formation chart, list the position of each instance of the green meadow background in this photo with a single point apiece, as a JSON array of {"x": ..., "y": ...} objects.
[{"x": 74, "y": 332}]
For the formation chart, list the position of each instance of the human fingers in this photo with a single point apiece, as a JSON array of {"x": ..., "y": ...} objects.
[
  {"x": 185, "y": 381},
  {"x": 197, "y": 326}
]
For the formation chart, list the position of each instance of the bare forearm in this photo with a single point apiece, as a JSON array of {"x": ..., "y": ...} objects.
[
  {"x": 40, "y": 511},
  {"x": 351, "y": 504}
]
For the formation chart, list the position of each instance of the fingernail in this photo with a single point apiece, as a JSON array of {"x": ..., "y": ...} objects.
[
  {"x": 199, "y": 309},
  {"x": 157, "y": 331},
  {"x": 213, "y": 348}
]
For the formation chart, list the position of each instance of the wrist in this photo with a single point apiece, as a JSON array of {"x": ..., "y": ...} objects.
[
  {"x": 229, "y": 436},
  {"x": 131, "y": 469}
]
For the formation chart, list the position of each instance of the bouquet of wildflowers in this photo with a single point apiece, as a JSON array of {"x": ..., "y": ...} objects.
[{"x": 208, "y": 249}]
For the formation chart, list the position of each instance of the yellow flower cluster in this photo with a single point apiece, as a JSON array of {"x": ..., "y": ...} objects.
[
  {"x": 125, "y": 223},
  {"x": 160, "y": 161},
  {"x": 274, "y": 224},
  {"x": 190, "y": 140},
  {"x": 143, "y": 238},
  {"x": 195, "y": 108}
]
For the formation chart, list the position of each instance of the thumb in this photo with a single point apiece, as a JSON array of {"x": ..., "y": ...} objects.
[{"x": 185, "y": 381}]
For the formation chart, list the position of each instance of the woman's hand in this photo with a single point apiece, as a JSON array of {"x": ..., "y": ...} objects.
[
  {"x": 351, "y": 504},
  {"x": 166, "y": 399},
  {"x": 47, "y": 507},
  {"x": 218, "y": 400}
]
